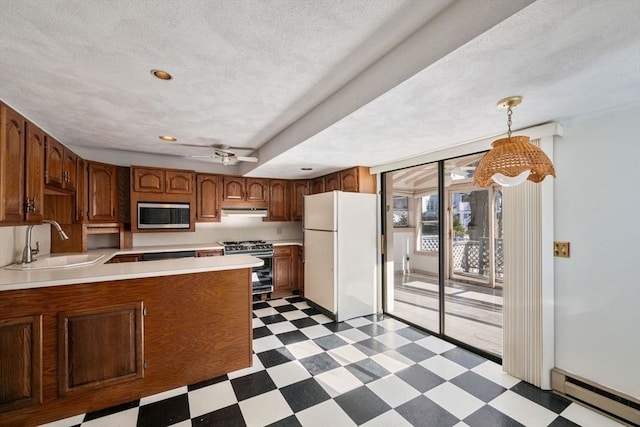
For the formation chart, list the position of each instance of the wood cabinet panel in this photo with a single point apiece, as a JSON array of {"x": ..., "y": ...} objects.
[
  {"x": 282, "y": 274},
  {"x": 100, "y": 346},
  {"x": 60, "y": 165},
  {"x": 82, "y": 191},
  {"x": 21, "y": 362},
  {"x": 148, "y": 180},
  {"x": 257, "y": 190},
  {"x": 279, "y": 200},
  {"x": 34, "y": 183},
  {"x": 103, "y": 196},
  {"x": 300, "y": 189},
  {"x": 125, "y": 258},
  {"x": 332, "y": 182},
  {"x": 349, "y": 180},
  {"x": 11, "y": 166},
  {"x": 179, "y": 182},
  {"x": 239, "y": 191},
  {"x": 207, "y": 198},
  {"x": 317, "y": 185},
  {"x": 197, "y": 327},
  {"x": 54, "y": 163}
]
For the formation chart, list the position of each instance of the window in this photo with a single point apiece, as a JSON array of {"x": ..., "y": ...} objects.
[
  {"x": 429, "y": 229},
  {"x": 400, "y": 211}
]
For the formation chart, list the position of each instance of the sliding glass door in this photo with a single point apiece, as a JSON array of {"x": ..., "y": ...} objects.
[{"x": 444, "y": 266}]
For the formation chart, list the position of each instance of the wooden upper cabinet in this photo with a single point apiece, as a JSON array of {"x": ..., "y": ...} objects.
[
  {"x": 317, "y": 185},
  {"x": 21, "y": 362},
  {"x": 54, "y": 166},
  {"x": 12, "y": 166},
  {"x": 148, "y": 180},
  {"x": 358, "y": 180},
  {"x": 300, "y": 189},
  {"x": 60, "y": 165},
  {"x": 179, "y": 182},
  {"x": 82, "y": 191},
  {"x": 34, "y": 184},
  {"x": 103, "y": 196},
  {"x": 207, "y": 197},
  {"x": 169, "y": 181},
  {"x": 279, "y": 200},
  {"x": 69, "y": 170},
  {"x": 257, "y": 190},
  {"x": 332, "y": 182},
  {"x": 239, "y": 191}
]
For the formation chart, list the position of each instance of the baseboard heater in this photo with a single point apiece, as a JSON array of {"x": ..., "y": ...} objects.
[{"x": 598, "y": 396}]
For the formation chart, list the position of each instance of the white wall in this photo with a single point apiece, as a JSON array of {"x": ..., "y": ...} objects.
[
  {"x": 597, "y": 210},
  {"x": 230, "y": 228},
  {"x": 12, "y": 241}
]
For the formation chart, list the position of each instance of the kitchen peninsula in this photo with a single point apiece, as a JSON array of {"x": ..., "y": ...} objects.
[{"x": 96, "y": 336}]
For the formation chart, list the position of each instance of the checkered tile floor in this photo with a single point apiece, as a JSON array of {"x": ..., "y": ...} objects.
[{"x": 310, "y": 371}]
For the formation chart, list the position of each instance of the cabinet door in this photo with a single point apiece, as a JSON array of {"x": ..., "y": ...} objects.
[
  {"x": 11, "y": 166},
  {"x": 279, "y": 200},
  {"x": 256, "y": 190},
  {"x": 102, "y": 192},
  {"x": 148, "y": 180},
  {"x": 34, "y": 182},
  {"x": 99, "y": 346},
  {"x": 69, "y": 167},
  {"x": 233, "y": 189},
  {"x": 179, "y": 182},
  {"x": 282, "y": 273},
  {"x": 21, "y": 362},
  {"x": 207, "y": 194},
  {"x": 300, "y": 189},
  {"x": 349, "y": 180},
  {"x": 54, "y": 163},
  {"x": 332, "y": 182},
  {"x": 317, "y": 185}
]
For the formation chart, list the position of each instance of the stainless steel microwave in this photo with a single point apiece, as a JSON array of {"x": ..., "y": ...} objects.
[{"x": 163, "y": 215}]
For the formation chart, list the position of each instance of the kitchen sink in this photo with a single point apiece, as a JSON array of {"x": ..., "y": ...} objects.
[{"x": 59, "y": 261}]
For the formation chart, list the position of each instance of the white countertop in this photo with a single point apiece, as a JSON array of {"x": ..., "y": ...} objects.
[{"x": 100, "y": 272}]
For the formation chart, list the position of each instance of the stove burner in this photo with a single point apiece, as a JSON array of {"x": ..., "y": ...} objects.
[{"x": 247, "y": 246}]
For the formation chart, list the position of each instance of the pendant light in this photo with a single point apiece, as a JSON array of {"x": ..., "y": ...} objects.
[{"x": 512, "y": 160}]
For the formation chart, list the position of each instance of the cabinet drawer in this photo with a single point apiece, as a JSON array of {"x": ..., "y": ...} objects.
[{"x": 282, "y": 250}]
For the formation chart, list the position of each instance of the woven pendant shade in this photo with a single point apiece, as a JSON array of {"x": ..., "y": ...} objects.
[{"x": 510, "y": 157}]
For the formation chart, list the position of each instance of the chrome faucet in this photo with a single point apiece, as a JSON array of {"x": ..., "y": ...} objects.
[{"x": 28, "y": 252}]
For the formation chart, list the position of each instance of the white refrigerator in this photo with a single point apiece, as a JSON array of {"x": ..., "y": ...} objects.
[{"x": 340, "y": 239}]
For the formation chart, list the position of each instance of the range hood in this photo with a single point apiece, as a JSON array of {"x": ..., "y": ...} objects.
[{"x": 251, "y": 212}]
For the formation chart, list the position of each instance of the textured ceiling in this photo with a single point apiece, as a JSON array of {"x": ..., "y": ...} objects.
[{"x": 326, "y": 84}]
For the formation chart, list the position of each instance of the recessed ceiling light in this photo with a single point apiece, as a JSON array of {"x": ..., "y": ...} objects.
[
  {"x": 162, "y": 75},
  {"x": 306, "y": 169},
  {"x": 168, "y": 138}
]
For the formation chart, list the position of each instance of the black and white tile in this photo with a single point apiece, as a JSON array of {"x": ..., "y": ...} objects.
[{"x": 310, "y": 371}]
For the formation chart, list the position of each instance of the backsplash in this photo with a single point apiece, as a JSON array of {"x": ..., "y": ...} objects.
[
  {"x": 12, "y": 240},
  {"x": 231, "y": 228}
]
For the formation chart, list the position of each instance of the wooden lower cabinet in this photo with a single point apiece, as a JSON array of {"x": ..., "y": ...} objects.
[
  {"x": 298, "y": 269},
  {"x": 125, "y": 258},
  {"x": 20, "y": 362},
  {"x": 197, "y": 326},
  {"x": 282, "y": 271}
]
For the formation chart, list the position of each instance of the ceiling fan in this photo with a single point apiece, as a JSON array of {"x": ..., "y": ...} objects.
[{"x": 223, "y": 152}]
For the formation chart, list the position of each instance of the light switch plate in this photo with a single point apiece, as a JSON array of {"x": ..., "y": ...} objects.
[{"x": 561, "y": 249}]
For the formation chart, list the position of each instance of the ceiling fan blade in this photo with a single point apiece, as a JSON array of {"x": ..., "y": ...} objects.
[
  {"x": 201, "y": 157},
  {"x": 247, "y": 159}
]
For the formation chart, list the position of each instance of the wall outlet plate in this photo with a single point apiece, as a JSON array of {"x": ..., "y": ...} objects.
[{"x": 561, "y": 249}]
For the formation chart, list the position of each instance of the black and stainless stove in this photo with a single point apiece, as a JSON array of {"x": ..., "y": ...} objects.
[
  {"x": 261, "y": 277},
  {"x": 247, "y": 247}
]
